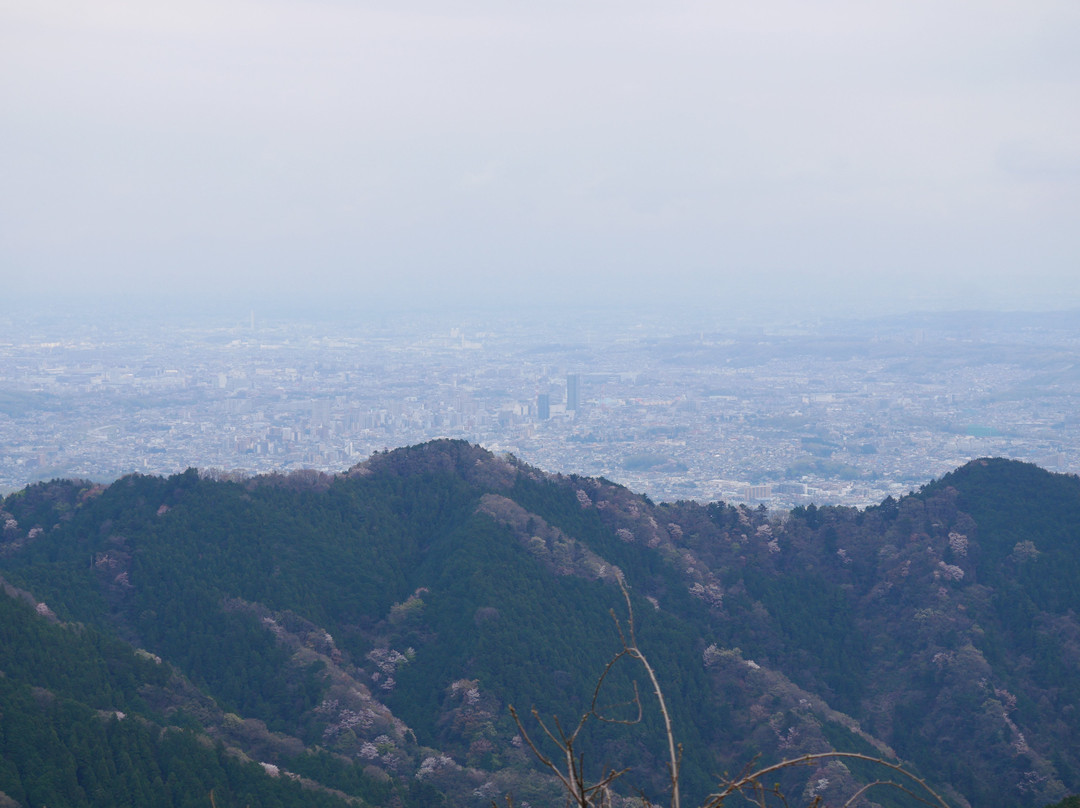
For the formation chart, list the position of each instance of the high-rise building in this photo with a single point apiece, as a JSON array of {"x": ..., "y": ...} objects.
[
  {"x": 543, "y": 406},
  {"x": 573, "y": 392}
]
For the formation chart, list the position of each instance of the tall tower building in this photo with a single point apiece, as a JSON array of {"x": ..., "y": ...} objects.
[
  {"x": 543, "y": 406},
  {"x": 573, "y": 392}
]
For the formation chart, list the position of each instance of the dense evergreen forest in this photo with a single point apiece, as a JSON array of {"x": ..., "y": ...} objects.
[{"x": 358, "y": 638}]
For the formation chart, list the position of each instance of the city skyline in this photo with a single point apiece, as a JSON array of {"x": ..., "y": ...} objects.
[{"x": 846, "y": 412}]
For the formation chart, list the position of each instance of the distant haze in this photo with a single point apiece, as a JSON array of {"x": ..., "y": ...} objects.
[{"x": 829, "y": 156}]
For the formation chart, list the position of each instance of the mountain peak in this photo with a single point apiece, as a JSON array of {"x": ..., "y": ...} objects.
[
  {"x": 442, "y": 456},
  {"x": 369, "y": 630}
]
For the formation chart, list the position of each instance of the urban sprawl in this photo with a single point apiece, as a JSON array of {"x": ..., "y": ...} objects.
[{"x": 846, "y": 412}]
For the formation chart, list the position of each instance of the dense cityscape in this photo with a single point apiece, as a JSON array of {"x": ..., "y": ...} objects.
[{"x": 839, "y": 412}]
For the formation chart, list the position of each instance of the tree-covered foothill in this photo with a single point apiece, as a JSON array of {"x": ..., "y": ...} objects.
[
  {"x": 75, "y": 730},
  {"x": 58, "y": 752},
  {"x": 369, "y": 631}
]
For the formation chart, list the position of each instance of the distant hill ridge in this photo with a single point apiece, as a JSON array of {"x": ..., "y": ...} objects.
[{"x": 366, "y": 633}]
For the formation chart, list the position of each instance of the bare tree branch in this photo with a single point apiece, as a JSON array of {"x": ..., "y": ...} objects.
[
  {"x": 752, "y": 780},
  {"x": 749, "y": 784}
]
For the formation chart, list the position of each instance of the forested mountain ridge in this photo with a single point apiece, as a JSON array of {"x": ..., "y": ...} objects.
[{"x": 368, "y": 630}]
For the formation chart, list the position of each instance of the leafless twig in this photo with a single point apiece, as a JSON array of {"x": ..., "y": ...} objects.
[
  {"x": 749, "y": 784},
  {"x": 752, "y": 781}
]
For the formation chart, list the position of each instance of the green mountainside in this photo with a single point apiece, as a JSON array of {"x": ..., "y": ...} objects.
[{"x": 359, "y": 638}]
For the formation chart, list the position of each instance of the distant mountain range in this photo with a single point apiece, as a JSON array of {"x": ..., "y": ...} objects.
[{"x": 359, "y": 638}]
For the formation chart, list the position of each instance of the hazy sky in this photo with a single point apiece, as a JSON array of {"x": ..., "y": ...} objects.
[{"x": 897, "y": 154}]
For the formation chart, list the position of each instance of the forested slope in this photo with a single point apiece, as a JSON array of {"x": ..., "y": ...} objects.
[{"x": 369, "y": 630}]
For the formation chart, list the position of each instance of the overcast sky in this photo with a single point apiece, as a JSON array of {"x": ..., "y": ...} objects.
[{"x": 842, "y": 155}]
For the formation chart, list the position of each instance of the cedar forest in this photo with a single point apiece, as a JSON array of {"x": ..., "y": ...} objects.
[{"x": 358, "y": 639}]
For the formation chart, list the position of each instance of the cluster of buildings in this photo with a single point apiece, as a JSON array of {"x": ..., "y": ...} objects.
[{"x": 844, "y": 413}]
